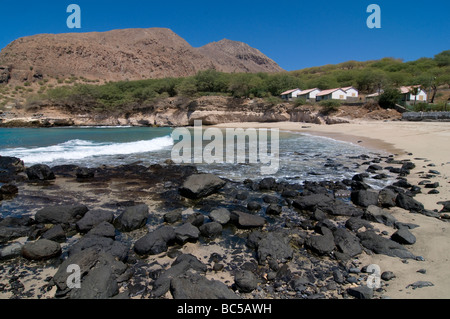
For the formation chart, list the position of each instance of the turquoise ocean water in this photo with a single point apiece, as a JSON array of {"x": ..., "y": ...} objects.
[{"x": 302, "y": 157}]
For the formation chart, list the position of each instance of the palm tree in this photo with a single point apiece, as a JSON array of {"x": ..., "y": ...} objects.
[{"x": 414, "y": 90}]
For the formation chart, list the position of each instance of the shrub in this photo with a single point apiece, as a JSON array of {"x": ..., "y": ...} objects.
[
  {"x": 299, "y": 102},
  {"x": 389, "y": 98},
  {"x": 330, "y": 106},
  {"x": 421, "y": 107},
  {"x": 273, "y": 100}
]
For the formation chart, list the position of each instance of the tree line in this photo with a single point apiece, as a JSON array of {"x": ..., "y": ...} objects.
[{"x": 367, "y": 77}]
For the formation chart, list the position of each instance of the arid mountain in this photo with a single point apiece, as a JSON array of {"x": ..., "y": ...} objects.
[
  {"x": 124, "y": 54},
  {"x": 233, "y": 56}
]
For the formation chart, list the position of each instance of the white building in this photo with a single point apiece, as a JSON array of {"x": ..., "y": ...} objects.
[
  {"x": 332, "y": 94},
  {"x": 407, "y": 96},
  {"x": 291, "y": 94},
  {"x": 310, "y": 94},
  {"x": 351, "y": 92}
]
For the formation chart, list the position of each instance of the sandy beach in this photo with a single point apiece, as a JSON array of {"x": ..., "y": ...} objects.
[{"x": 424, "y": 143}]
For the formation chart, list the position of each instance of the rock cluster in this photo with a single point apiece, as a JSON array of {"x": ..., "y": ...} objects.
[{"x": 287, "y": 240}]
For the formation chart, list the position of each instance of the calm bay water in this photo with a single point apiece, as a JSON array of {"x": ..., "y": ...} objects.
[{"x": 302, "y": 157}]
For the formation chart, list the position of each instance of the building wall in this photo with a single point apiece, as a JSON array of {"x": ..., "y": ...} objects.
[
  {"x": 291, "y": 96},
  {"x": 339, "y": 95},
  {"x": 352, "y": 93},
  {"x": 421, "y": 97}
]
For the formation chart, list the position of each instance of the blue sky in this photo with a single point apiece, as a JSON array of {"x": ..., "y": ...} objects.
[{"x": 296, "y": 34}]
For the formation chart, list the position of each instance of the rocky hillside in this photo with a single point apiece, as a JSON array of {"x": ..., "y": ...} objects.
[
  {"x": 131, "y": 54},
  {"x": 233, "y": 56}
]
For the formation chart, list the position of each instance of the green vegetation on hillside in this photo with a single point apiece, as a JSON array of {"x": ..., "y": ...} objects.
[{"x": 367, "y": 77}]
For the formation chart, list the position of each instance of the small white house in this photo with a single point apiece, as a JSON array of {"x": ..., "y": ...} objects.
[
  {"x": 407, "y": 96},
  {"x": 310, "y": 94},
  {"x": 332, "y": 94},
  {"x": 351, "y": 92},
  {"x": 291, "y": 94}
]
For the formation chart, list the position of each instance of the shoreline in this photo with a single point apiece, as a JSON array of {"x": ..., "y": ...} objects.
[
  {"x": 432, "y": 234},
  {"x": 424, "y": 144}
]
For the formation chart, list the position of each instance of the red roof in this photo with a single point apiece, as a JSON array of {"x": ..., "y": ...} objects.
[
  {"x": 407, "y": 89},
  {"x": 308, "y": 91},
  {"x": 326, "y": 92},
  {"x": 290, "y": 91}
]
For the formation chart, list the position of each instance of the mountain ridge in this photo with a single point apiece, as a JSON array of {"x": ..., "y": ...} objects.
[{"x": 126, "y": 54}]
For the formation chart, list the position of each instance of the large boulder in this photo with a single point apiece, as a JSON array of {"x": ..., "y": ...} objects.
[
  {"x": 42, "y": 249},
  {"x": 275, "y": 245},
  {"x": 155, "y": 242},
  {"x": 379, "y": 215},
  {"x": 60, "y": 214},
  {"x": 384, "y": 246},
  {"x": 132, "y": 218},
  {"x": 99, "y": 283},
  {"x": 93, "y": 218},
  {"x": 201, "y": 185},
  {"x": 180, "y": 266},
  {"x": 10, "y": 233},
  {"x": 11, "y": 251},
  {"x": 387, "y": 198},
  {"x": 311, "y": 202},
  {"x": 244, "y": 220},
  {"x": 40, "y": 172},
  {"x": 104, "y": 229},
  {"x": 11, "y": 164},
  {"x": 346, "y": 242},
  {"x": 404, "y": 236},
  {"x": 321, "y": 244},
  {"x": 341, "y": 208},
  {"x": 221, "y": 216},
  {"x": 245, "y": 281},
  {"x": 211, "y": 230},
  {"x": 360, "y": 292},
  {"x": 406, "y": 202},
  {"x": 99, "y": 272},
  {"x": 195, "y": 286},
  {"x": 187, "y": 232},
  {"x": 365, "y": 198},
  {"x": 56, "y": 233},
  {"x": 108, "y": 245}
]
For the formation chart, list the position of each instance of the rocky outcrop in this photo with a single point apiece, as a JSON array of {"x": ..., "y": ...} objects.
[{"x": 5, "y": 74}]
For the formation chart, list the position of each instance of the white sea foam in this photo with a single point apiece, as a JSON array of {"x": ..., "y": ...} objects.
[{"x": 80, "y": 149}]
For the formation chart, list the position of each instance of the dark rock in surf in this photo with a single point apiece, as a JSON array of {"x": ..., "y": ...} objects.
[
  {"x": 201, "y": 185},
  {"x": 40, "y": 172}
]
